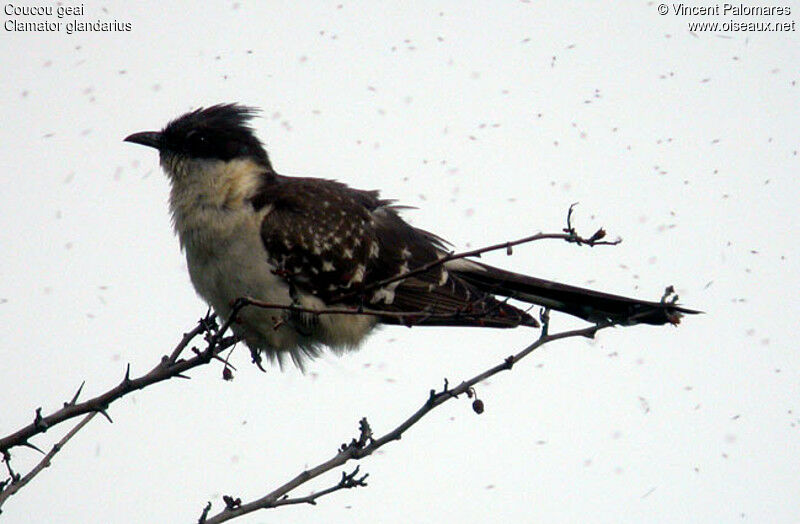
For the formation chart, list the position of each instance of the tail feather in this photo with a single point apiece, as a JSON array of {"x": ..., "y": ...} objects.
[{"x": 590, "y": 305}]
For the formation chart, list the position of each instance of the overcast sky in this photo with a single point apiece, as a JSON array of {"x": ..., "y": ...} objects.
[{"x": 491, "y": 118}]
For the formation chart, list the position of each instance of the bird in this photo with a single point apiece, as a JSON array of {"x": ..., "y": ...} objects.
[{"x": 334, "y": 261}]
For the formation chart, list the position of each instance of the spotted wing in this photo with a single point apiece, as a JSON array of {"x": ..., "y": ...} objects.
[
  {"x": 342, "y": 245},
  {"x": 318, "y": 235}
]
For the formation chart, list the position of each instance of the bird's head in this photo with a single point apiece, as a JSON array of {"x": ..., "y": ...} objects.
[{"x": 220, "y": 133}]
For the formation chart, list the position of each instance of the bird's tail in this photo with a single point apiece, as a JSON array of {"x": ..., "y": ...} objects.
[{"x": 587, "y": 304}]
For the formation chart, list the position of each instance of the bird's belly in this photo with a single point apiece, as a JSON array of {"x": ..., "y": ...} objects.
[{"x": 233, "y": 266}]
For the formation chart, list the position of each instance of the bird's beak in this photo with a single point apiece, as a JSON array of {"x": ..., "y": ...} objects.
[{"x": 146, "y": 138}]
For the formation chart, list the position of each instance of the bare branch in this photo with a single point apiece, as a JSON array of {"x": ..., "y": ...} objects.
[
  {"x": 569, "y": 235},
  {"x": 169, "y": 367},
  {"x": 173, "y": 366},
  {"x": 409, "y": 318},
  {"x": 348, "y": 481},
  {"x": 18, "y": 483},
  {"x": 412, "y": 317},
  {"x": 366, "y": 444}
]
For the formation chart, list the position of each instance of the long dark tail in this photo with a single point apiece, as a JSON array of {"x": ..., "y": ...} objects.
[{"x": 587, "y": 304}]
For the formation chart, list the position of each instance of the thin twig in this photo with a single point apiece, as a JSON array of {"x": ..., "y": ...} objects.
[
  {"x": 173, "y": 366},
  {"x": 202, "y": 327},
  {"x": 14, "y": 487},
  {"x": 570, "y": 235},
  {"x": 366, "y": 445},
  {"x": 348, "y": 481},
  {"x": 167, "y": 368},
  {"x": 409, "y": 317}
]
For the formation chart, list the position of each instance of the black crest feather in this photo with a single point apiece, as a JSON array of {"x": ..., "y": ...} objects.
[{"x": 220, "y": 131}]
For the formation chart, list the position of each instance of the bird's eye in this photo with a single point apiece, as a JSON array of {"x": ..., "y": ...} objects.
[
  {"x": 197, "y": 142},
  {"x": 196, "y": 137}
]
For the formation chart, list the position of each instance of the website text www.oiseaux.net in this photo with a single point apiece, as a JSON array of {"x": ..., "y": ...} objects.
[{"x": 746, "y": 18}]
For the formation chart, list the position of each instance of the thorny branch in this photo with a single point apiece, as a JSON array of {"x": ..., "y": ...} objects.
[
  {"x": 169, "y": 367},
  {"x": 173, "y": 366},
  {"x": 16, "y": 482},
  {"x": 366, "y": 444}
]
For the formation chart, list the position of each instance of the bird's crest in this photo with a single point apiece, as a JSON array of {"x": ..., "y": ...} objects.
[{"x": 220, "y": 131}]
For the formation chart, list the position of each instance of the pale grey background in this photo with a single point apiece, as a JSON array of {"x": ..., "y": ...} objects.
[{"x": 491, "y": 117}]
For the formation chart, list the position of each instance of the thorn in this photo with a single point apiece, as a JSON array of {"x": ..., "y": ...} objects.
[
  {"x": 29, "y": 445},
  {"x": 544, "y": 317},
  {"x": 366, "y": 433},
  {"x": 255, "y": 355},
  {"x": 75, "y": 397},
  {"x": 590, "y": 334},
  {"x": 204, "y": 515},
  {"x": 181, "y": 375},
  {"x": 7, "y": 460},
  {"x": 127, "y": 378},
  {"x": 105, "y": 414},
  {"x": 38, "y": 421}
]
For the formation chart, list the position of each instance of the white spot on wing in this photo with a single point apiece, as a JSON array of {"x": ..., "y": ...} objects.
[
  {"x": 383, "y": 295},
  {"x": 358, "y": 275},
  {"x": 374, "y": 250}
]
